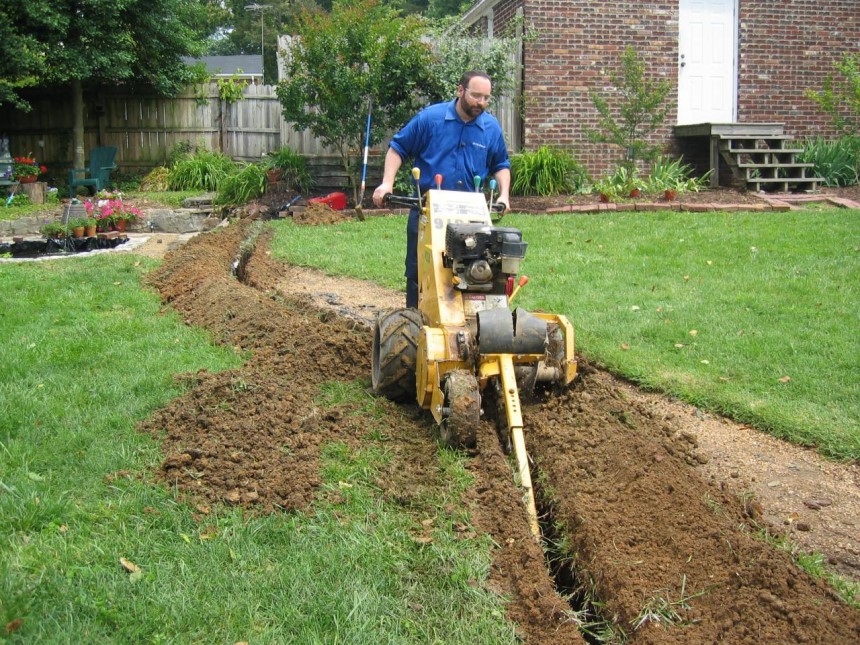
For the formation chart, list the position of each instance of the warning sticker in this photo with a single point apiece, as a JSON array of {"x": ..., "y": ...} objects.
[{"x": 475, "y": 302}]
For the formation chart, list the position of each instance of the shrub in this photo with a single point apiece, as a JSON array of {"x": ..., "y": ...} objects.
[
  {"x": 241, "y": 187},
  {"x": 294, "y": 167},
  {"x": 156, "y": 180},
  {"x": 204, "y": 170},
  {"x": 839, "y": 97},
  {"x": 546, "y": 171},
  {"x": 674, "y": 174},
  {"x": 638, "y": 109},
  {"x": 836, "y": 161}
]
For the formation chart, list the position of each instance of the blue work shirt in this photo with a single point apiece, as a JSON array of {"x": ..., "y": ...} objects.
[{"x": 440, "y": 142}]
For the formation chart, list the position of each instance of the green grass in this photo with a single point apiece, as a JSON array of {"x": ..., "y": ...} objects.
[
  {"x": 85, "y": 355},
  {"x": 753, "y": 315}
]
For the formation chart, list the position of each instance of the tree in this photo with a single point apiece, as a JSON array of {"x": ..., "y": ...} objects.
[
  {"x": 839, "y": 98},
  {"x": 98, "y": 42},
  {"x": 365, "y": 53},
  {"x": 362, "y": 54},
  {"x": 639, "y": 110},
  {"x": 456, "y": 50}
]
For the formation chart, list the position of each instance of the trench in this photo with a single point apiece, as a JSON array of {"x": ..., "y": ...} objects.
[
  {"x": 561, "y": 565},
  {"x": 692, "y": 542}
]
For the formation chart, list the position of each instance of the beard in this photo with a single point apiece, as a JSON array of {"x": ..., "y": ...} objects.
[{"x": 474, "y": 111}]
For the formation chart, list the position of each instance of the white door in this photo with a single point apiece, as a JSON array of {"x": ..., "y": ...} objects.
[{"x": 707, "y": 61}]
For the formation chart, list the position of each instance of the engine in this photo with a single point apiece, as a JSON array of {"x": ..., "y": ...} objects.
[{"x": 482, "y": 256}]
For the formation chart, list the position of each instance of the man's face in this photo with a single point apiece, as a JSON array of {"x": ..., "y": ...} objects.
[{"x": 475, "y": 98}]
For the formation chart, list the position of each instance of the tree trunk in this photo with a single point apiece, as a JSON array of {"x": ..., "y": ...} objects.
[{"x": 78, "y": 159}]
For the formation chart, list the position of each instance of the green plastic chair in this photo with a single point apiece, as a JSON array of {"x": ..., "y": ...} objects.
[{"x": 97, "y": 175}]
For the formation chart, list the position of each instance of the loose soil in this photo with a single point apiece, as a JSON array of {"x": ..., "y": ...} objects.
[{"x": 660, "y": 504}]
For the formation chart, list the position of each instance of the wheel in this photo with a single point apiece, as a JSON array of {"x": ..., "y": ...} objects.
[
  {"x": 395, "y": 342},
  {"x": 462, "y": 410}
]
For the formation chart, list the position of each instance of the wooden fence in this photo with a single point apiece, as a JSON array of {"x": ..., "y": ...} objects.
[{"x": 146, "y": 129}]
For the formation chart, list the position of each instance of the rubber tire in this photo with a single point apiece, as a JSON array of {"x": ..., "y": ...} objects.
[
  {"x": 463, "y": 401},
  {"x": 395, "y": 347}
]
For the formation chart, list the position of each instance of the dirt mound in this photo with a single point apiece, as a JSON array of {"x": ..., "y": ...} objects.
[
  {"x": 654, "y": 541},
  {"x": 317, "y": 213}
]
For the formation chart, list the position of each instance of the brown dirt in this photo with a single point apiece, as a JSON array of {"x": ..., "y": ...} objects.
[{"x": 622, "y": 470}]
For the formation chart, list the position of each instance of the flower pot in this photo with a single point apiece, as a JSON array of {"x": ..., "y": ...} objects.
[
  {"x": 78, "y": 231},
  {"x": 274, "y": 175},
  {"x": 90, "y": 231},
  {"x": 635, "y": 192},
  {"x": 29, "y": 179},
  {"x": 604, "y": 197},
  {"x": 670, "y": 194},
  {"x": 120, "y": 225}
]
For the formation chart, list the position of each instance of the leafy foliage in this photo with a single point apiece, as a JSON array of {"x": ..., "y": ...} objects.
[
  {"x": 231, "y": 89},
  {"x": 673, "y": 174},
  {"x": 546, "y": 171},
  {"x": 363, "y": 52},
  {"x": 203, "y": 170},
  {"x": 294, "y": 167},
  {"x": 840, "y": 97},
  {"x": 456, "y": 50},
  {"x": 836, "y": 161},
  {"x": 100, "y": 41},
  {"x": 243, "y": 186},
  {"x": 639, "y": 109}
]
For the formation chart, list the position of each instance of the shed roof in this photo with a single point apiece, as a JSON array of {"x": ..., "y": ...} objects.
[{"x": 250, "y": 64}]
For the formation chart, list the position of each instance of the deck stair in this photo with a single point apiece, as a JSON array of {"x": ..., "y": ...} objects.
[{"x": 760, "y": 156}]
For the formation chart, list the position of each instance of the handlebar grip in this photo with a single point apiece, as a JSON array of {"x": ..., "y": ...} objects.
[{"x": 390, "y": 199}]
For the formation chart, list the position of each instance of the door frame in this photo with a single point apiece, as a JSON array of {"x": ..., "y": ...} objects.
[{"x": 735, "y": 61}]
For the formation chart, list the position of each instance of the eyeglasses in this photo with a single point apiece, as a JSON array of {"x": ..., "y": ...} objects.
[{"x": 486, "y": 98}]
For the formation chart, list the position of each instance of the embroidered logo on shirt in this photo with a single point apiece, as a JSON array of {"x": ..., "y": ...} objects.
[{"x": 478, "y": 144}]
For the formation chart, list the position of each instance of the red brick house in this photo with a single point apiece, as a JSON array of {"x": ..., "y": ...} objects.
[{"x": 730, "y": 62}]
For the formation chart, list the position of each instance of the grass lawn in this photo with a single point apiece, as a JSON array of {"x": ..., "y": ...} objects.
[
  {"x": 753, "y": 315},
  {"x": 85, "y": 355}
]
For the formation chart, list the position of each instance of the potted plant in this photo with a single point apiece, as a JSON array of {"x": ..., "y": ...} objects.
[
  {"x": 606, "y": 189},
  {"x": 90, "y": 226},
  {"x": 627, "y": 181},
  {"x": 111, "y": 212},
  {"x": 54, "y": 230},
  {"x": 26, "y": 170},
  {"x": 289, "y": 166},
  {"x": 78, "y": 226}
]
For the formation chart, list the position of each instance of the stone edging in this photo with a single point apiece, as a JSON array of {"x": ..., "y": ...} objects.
[{"x": 781, "y": 203}]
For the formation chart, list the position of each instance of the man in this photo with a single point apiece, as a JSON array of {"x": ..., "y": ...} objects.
[{"x": 457, "y": 140}]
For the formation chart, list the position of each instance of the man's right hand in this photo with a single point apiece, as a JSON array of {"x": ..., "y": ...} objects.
[{"x": 381, "y": 191}]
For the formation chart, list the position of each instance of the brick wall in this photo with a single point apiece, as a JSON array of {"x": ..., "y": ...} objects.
[{"x": 785, "y": 48}]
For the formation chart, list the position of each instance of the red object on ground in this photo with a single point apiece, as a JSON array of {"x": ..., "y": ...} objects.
[{"x": 336, "y": 200}]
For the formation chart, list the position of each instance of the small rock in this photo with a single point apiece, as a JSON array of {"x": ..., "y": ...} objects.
[
  {"x": 773, "y": 484},
  {"x": 233, "y": 496},
  {"x": 803, "y": 526},
  {"x": 816, "y": 504}
]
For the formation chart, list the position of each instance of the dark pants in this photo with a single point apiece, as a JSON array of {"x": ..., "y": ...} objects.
[{"x": 412, "y": 259}]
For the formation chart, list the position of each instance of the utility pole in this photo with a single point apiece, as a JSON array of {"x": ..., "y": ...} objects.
[{"x": 261, "y": 8}]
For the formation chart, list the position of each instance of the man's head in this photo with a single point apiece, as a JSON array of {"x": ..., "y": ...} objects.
[{"x": 473, "y": 95}]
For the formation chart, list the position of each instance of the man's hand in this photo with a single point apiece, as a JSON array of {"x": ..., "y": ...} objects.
[{"x": 381, "y": 191}]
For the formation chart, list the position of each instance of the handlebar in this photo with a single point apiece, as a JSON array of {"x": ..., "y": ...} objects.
[
  {"x": 390, "y": 199},
  {"x": 404, "y": 201}
]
